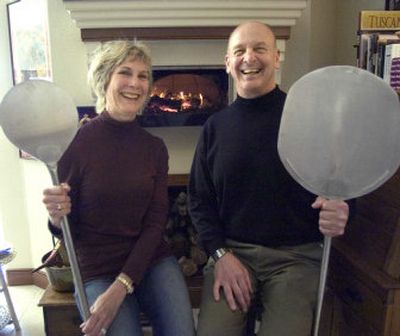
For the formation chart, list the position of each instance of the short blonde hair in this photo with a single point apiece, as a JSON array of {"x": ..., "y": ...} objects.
[{"x": 106, "y": 58}]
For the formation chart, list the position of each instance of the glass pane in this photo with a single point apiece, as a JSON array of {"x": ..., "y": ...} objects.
[{"x": 29, "y": 40}]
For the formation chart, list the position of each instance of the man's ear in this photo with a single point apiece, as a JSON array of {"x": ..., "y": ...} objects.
[{"x": 227, "y": 63}]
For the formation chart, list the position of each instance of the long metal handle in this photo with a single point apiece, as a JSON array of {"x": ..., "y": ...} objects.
[
  {"x": 322, "y": 282},
  {"x": 69, "y": 245}
]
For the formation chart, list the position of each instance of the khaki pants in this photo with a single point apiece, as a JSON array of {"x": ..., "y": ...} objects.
[{"x": 286, "y": 281}]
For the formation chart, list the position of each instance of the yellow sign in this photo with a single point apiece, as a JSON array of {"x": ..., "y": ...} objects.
[{"x": 379, "y": 20}]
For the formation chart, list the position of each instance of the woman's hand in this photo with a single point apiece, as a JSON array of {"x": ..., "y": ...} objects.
[
  {"x": 104, "y": 310},
  {"x": 57, "y": 202}
]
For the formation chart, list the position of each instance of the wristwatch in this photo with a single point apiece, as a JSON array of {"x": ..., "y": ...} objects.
[{"x": 219, "y": 253}]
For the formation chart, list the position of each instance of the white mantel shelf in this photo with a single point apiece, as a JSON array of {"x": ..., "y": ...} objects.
[{"x": 173, "y": 14}]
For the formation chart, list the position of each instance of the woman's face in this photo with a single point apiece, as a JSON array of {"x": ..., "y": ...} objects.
[{"x": 128, "y": 90}]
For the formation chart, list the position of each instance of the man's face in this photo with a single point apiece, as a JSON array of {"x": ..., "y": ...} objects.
[{"x": 252, "y": 59}]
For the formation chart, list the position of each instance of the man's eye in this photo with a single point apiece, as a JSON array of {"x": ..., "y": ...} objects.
[
  {"x": 261, "y": 49},
  {"x": 238, "y": 52}
]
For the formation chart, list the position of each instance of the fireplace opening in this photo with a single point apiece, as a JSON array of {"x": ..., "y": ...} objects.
[{"x": 185, "y": 96}]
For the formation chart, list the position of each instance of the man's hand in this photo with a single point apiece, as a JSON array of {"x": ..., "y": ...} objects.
[
  {"x": 333, "y": 216},
  {"x": 233, "y": 277}
]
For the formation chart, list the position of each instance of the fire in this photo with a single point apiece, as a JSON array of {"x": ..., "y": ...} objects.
[
  {"x": 176, "y": 101},
  {"x": 168, "y": 109}
]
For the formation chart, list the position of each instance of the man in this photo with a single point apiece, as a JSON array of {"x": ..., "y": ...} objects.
[{"x": 260, "y": 227}]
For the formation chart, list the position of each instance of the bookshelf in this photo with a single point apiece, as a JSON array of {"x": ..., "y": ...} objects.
[{"x": 378, "y": 48}]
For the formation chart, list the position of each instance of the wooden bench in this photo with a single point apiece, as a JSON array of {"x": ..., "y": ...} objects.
[{"x": 61, "y": 315}]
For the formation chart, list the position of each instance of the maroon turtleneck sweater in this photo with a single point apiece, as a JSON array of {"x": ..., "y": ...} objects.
[{"x": 118, "y": 177}]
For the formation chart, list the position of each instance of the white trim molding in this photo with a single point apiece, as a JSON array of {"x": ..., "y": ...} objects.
[{"x": 92, "y": 14}]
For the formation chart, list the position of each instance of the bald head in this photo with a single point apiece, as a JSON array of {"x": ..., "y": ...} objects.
[{"x": 250, "y": 26}]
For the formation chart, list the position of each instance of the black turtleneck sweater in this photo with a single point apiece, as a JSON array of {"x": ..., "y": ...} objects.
[
  {"x": 238, "y": 186},
  {"x": 118, "y": 177}
]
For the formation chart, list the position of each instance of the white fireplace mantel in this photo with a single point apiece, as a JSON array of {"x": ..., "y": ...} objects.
[{"x": 97, "y": 14}]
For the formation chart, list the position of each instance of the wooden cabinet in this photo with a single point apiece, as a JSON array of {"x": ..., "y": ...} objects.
[{"x": 364, "y": 270}]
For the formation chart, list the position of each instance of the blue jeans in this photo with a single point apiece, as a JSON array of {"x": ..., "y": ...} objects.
[{"x": 162, "y": 295}]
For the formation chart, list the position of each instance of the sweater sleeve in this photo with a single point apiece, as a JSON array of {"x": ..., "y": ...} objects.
[
  {"x": 154, "y": 222},
  {"x": 203, "y": 201}
]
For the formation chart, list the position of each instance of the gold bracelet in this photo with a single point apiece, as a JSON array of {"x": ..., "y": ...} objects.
[{"x": 126, "y": 281}]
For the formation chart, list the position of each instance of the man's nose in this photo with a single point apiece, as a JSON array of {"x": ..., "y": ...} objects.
[{"x": 249, "y": 55}]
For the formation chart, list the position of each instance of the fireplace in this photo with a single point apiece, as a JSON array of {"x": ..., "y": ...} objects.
[{"x": 185, "y": 96}]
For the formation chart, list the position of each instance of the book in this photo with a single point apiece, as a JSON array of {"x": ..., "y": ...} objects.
[
  {"x": 383, "y": 40},
  {"x": 379, "y": 20},
  {"x": 372, "y": 48},
  {"x": 395, "y": 74},
  {"x": 392, "y": 51},
  {"x": 362, "y": 51}
]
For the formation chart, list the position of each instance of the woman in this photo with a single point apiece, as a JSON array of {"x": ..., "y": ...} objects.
[{"x": 115, "y": 194}]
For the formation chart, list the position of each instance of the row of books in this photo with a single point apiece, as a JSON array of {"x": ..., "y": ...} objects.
[{"x": 379, "y": 45}]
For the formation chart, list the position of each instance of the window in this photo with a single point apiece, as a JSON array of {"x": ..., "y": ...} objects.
[{"x": 29, "y": 42}]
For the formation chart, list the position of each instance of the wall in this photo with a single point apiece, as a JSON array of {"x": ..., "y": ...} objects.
[
  {"x": 297, "y": 60},
  {"x": 323, "y": 35}
]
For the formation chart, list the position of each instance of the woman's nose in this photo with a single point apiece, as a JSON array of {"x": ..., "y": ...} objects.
[{"x": 134, "y": 81}]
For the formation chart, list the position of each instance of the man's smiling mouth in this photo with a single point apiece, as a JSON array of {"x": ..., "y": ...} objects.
[{"x": 250, "y": 71}]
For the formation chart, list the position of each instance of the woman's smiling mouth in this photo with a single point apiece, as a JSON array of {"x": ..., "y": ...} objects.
[{"x": 130, "y": 95}]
